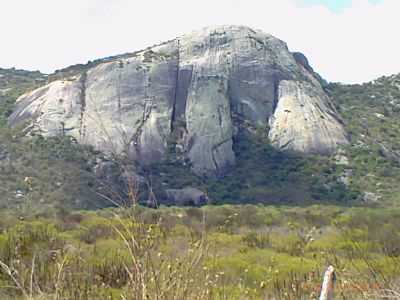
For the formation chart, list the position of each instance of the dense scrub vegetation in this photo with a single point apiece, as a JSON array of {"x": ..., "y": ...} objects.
[
  {"x": 371, "y": 112},
  {"x": 36, "y": 174},
  {"x": 225, "y": 252},
  {"x": 264, "y": 175}
]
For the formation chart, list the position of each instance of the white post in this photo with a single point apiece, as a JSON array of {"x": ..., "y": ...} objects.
[{"x": 327, "y": 285}]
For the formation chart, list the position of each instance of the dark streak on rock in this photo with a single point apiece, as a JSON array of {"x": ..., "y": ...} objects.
[
  {"x": 82, "y": 81},
  {"x": 173, "y": 117}
]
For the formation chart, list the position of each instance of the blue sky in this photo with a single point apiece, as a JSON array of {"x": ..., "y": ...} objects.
[{"x": 335, "y": 5}]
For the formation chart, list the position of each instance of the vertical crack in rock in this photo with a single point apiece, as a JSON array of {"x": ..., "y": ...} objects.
[
  {"x": 185, "y": 77},
  {"x": 286, "y": 145},
  {"x": 173, "y": 117},
  {"x": 136, "y": 136},
  {"x": 220, "y": 108},
  {"x": 147, "y": 109},
  {"x": 82, "y": 99},
  {"x": 275, "y": 101},
  {"x": 217, "y": 171},
  {"x": 214, "y": 149}
]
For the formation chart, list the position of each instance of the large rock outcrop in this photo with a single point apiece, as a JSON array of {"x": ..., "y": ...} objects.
[{"x": 188, "y": 91}]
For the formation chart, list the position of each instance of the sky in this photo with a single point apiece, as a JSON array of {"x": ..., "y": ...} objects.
[
  {"x": 335, "y": 5},
  {"x": 350, "y": 41}
]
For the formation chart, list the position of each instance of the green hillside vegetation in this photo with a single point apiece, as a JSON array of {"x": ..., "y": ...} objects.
[
  {"x": 264, "y": 175},
  {"x": 371, "y": 112}
]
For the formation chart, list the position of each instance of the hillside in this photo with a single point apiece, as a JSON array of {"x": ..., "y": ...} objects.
[
  {"x": 371, "y": 159},
  {"x": 38, "y": 174},
  {"x": 63, "y": 173},
  {"x": 371, "y": 112}
]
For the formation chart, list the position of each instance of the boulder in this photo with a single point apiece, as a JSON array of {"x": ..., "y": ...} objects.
[
  {"x": 185, "y": 197},
  {"x": 370, "y": 198}
]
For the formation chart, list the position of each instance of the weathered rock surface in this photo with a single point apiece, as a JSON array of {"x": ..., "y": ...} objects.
[
  {"x": 304, "y": 120},
  {"x": 370, "y": 197},
  {"x": 190, "y": 88}
]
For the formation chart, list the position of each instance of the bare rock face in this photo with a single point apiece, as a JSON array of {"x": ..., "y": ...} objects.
[
  {"x": 304, "y": 120},
  {"x": 191, "y": 89}
]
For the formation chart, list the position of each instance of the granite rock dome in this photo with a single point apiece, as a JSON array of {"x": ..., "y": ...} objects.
[{"x": 193, "y": 90}]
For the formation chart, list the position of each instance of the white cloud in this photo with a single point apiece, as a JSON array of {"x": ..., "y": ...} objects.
[{"x": 357, "y": 45}]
